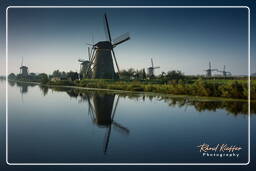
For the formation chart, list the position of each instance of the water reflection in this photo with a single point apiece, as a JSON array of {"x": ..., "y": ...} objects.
[
  {"x": 233, "y": 107},
  {"x": 102, "y": 111},
  {"x": 106, "y": 99},
  {"x": 12, "y": 83},
  {"x": 44, "y": 89},
  {"x": 23, "y": 86},
  {"x": 57, "y": 123}
]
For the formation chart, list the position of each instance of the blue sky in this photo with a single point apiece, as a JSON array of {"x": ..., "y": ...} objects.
[{"x": 177, "y": 39}]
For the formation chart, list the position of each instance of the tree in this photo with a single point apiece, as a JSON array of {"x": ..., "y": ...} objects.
[
  {"x": 144, "y": 75},
  {"x": 174, "y": 75},
  {"x": 43, "y": 78},
  {"x": 131, "y": 72},
  {"x": 162, "y": 75},
  {"x": 56, "y": 73},
  {"x": 73, "y": 75},
  {"x": 126, "y": 74}
]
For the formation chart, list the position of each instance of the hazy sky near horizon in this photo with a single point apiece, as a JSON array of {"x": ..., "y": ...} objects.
[{"x": 176, "y": 38}]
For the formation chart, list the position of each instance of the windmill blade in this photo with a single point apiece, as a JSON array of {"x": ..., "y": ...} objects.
[
  {"x": 156, "y": 67},
  {"x": 92, "y": 38},
  {"x": 92, "y": 56},
  {"x": 80, "y": 66},
  {"x": 114, "y": 56},
  {"x": 89, "y": 44},
  {"x": 107, "y": 30},
  {"x": 152, "y": 63},
  {"x": 22, "y": 61},
  {"x": 107, "y": 136},
  {"x": 91, "y": 107},
  {"x": 121, "y": 128},
  {"x": 106, "y": 139},
  {"x": 114, "y": 112},
  {"x": 89, "y": 53},
  {"x": 124, "y": 37},
  {"x": 81, "y": 60}
]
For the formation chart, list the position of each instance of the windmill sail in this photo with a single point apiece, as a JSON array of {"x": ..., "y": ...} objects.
[
  {"x": 124, "y": 37},
  {"x": 107, "y": 30}
]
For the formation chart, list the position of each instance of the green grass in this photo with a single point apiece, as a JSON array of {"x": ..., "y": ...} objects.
[{"x": 237, "y": 89}]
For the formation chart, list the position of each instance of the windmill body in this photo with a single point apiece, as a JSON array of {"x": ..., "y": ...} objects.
[
  {"x": 23, "y": 69},
  {"x": 210, "y": 70},
  {"x": 104, "y": 66},
  {"x": 224, "y": 72},
  {"x": 151, "y": 69},
  {"x": 84, "y": 68}
]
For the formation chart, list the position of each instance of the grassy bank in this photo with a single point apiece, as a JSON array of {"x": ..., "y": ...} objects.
[{"x": 237, "y": 89}]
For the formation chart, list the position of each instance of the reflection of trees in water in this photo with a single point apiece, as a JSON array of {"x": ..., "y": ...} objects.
[
  {"x": 11, "y": 83},
  {"x": 233, "y": 107},
  {"x": 44, "y": 89},
  {"x": 83, "y": 95}
]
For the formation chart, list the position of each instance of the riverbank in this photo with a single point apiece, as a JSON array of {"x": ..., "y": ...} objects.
[{"x": 227, "y": 89}]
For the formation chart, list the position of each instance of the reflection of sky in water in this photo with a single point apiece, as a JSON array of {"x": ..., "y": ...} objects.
[{"x": 57, "y": 128}]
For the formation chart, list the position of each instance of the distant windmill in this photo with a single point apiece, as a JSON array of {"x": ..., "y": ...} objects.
[
  {"x": 102, "y": 53},
  {"x": 224, "y": 72},
  {"x": 210, "y": 70},
  {"x": 85, "y": 66},
  {"x": 151, "y": 69},
  {"x": 23, "y": 69}
]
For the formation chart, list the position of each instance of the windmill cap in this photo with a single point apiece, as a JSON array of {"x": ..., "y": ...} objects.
[
  {"x": 103, "y": 45},
  {"x": 23, "y": 67}
]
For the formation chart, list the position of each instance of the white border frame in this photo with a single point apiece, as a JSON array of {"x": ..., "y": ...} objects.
[{"x": 249, "y": 74}]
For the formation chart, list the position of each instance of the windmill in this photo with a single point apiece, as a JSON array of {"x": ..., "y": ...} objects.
[
  {"x": 102, "y": 114},
  {"x": 103, "y": 52},
  {"x": 224, "y": 72},
  {"x": 85, "y": 66},
  {"x": 151, "y": 69},
  {"x": 210, "y": 70},
  {"x": 23, "y": 69}
]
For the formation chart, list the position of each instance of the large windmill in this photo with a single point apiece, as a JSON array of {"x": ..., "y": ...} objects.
[
  {"x": 210, "y": 70},
  {"x": 151, "y": 69},
  {"x": 224, "y": 72},
  {"x": 102, "y": 114},
  {"x": 102, "y": 54}
]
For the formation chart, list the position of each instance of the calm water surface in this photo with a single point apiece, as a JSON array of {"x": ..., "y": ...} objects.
[{"x": 61, "y": 125}]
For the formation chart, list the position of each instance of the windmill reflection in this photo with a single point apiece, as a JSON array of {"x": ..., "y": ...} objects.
[
  {"x": 102, "y": 110},
  {"x": 23, "y": 87}
]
